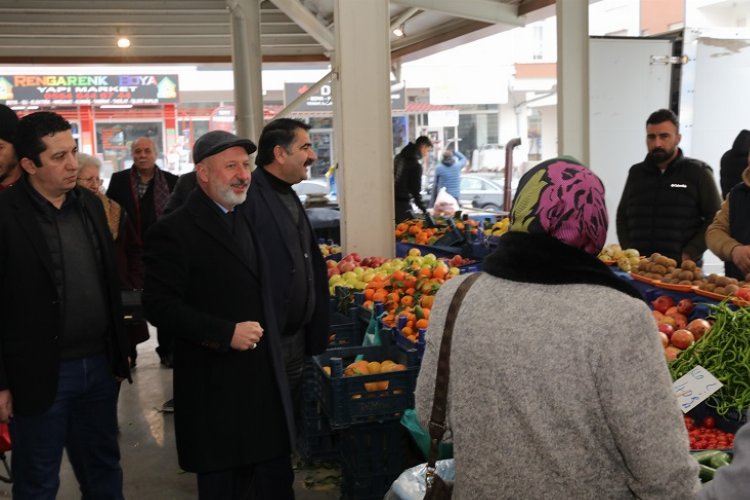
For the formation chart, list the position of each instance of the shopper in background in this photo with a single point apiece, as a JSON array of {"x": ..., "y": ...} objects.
[
  {"x": 10, "y": 172},
  {"x": 128, "y": 258},
  {"x": 407, "y": 177},
  {"x": 728, "y": 236},
  {"x": 62, "y": 342},
  {"x": 143, "y": 191},
  {"x": 558, "y": 386},
  {"x": 733, "y": 162},
  {"x": 448, "y": 174},
  {"x": 669, "y": 199},
  {"x": 207, "y": 280},
  {"x": 300, "y": 285}
]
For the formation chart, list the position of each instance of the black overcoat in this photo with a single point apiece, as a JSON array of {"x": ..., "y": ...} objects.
[{"x": 232, "y": 408}]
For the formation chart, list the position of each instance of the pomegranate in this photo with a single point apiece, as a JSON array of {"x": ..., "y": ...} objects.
[
  {"x": 664, "y": 339},
  {"x": 698, "y": 327},
  {"x": 662, "y": 303},
  {"x": 671, "y": 352},
  {"x": 666, "y": 329},
  {"x": 685, "y": 306},
  {"x": 682, "y": 339}
]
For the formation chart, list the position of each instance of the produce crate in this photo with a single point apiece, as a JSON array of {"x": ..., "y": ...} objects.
[
  {"x": 317, "y": 439},
  {"x": 729, "y": 423},
  {"x": 345, "y": 399},
  {"x": 394, "y": 337},
  {"x": 471, "y": 268},
  {"x": 371, "y": 457},
  {"x": 345, "y": 330}
]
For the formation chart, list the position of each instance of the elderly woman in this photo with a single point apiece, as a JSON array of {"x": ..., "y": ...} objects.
[
  {"x": 129, "y": 266},
  {"x": 558, "y": 385}
]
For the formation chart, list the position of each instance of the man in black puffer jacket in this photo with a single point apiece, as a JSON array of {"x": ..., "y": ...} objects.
[
  {"x": 407, "y": 175},
  {"x": 668, "y": 200}
]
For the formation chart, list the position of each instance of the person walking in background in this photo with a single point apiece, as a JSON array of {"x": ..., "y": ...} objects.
[
  {"x": 207, "y": 280},
  {"x": 728, "y": 236},
  {"x": 62, "y": 341},
  {"x": 10, "y": 172},
  {"x": 407, "y": 177},
  {"x": 557, "y": 400},
  {"x": 448, "y": 174},
  {"x": 128, "y": 258},
  {"x": 143, "y": 191},
  {"x": 734, "y": 162},
  {"x": 669, "y": 199},
  {"x": 300, "y": 285}
]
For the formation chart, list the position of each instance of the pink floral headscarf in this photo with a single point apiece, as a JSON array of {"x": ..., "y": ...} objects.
[{"x": 564, "y": 199}]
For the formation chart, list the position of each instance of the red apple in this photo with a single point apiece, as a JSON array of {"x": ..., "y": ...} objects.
[
  {"x": 664, "y": 339},
  {"x": 671, "y": 352}
]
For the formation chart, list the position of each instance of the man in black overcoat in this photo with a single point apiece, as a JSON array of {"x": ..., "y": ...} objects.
[{"x": 207, "y": 280}]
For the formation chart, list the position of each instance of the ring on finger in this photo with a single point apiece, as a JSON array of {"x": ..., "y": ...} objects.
[{"x": 255, "y": 344}]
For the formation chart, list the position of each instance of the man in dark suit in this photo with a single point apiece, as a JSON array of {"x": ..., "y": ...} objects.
[
  {"x": 143, "y": 191},
  {"x": 62, "y": 340},
  {"x": 207, "y": 280},
  {"x": 300, "y": 285}
]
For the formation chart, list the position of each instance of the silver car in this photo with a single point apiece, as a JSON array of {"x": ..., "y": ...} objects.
[{"x": 483, "y": 192}]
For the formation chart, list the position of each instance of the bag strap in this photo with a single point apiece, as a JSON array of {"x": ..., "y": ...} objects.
[{"x": 439, "y": 403}]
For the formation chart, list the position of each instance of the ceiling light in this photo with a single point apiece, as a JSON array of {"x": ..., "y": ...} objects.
[
  {"x": 123, "y": 42},
  {"x": 399, "y": 31}
]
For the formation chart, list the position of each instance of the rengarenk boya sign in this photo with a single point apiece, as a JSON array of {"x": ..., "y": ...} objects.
[{"x": 61, "y": 90}]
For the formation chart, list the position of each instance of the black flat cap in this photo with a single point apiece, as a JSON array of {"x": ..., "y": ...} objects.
[{"x": 217, "y": 141}]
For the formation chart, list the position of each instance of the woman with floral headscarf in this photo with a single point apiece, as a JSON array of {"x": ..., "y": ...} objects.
[{"x": 558, "y": 385}]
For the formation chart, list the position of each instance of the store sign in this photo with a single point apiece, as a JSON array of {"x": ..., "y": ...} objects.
[
  {"x": 61, "y": 90},
  {"x": 695, "y": 387},
  {"x": 322, "y": 100}
]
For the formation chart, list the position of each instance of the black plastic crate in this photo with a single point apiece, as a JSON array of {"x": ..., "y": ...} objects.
[
  {"x": 345, "y": 330},
  {"x": 371, "y": 457},
  {"x": 317, "y": 440},
  {"x": 346, "y": 401}
]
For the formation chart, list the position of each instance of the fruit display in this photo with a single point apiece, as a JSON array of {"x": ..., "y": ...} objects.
[
  {"x": 724, "y": 351},
  {"x": 707, "y": 437},
  {"x": 329, "y": 249},
  {"x": 655, "y": 266},
  {"x": 364, "y": 367},
  {"x": 675, "y": 331},
  {"x": 721, "y": 285},
  {"x": 499, "y": 228},
  {"x": 626, "y": 259}
]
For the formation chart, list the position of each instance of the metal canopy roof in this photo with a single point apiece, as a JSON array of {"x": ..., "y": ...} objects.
[{"x": 174, "y": 31}]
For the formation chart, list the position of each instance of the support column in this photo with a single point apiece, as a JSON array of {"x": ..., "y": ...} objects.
[
  {"x": 573, "y": 78},
  {"x": 362, "y": 123},
  {"x": 247, "y": 67}
]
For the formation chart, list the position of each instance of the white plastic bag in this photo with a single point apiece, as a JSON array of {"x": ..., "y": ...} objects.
[
  {"x": 445, "y": 204},
  {"x": 410, "y": 484}
]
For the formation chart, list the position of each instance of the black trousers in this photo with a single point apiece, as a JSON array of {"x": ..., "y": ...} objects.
[{"x": 270, "y": 480}]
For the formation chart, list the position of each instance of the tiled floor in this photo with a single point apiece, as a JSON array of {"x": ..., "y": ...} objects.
[{"x": 147, "y": 444}]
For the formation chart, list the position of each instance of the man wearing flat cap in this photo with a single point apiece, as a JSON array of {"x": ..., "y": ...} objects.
[
  {"x": 10, "y": 172},
  {"x": 207, "y": 280}
]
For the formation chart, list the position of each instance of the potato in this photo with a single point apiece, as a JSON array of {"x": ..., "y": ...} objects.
[{"x": 686, "y": 275}]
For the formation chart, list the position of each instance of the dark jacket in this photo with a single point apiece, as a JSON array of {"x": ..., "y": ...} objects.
[
  {"x": 30, "y": 303},
  {"x": 119, "y": 190},
  {"x": 186, "y": 183},
  {"x": 734, "y": 162},
  {"x": 668, "y": 212},
  {"x": 264, "y": 207},
  {"x": 232, "y": 408},
  {"x": 407, "y": 175}
]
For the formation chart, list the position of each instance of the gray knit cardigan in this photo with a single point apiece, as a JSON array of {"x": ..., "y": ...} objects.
[{"x": 557, "y": 391}]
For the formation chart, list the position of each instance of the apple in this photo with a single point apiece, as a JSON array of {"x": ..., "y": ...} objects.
[
  {"x": 333, "y": 271},
  {"x": 671, "y": 352},
  {"x": 685, "y": 306},
  {"x": 355, "y": 256},
  {"x": 346, "y": 266},
  {"x": 698, "y": 327}
]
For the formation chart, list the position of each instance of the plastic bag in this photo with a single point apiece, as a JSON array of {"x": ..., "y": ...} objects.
[
  {"x": 422, "y": 437},
  {"x": 445, "y": 204},
  {"x": 372, "y": 334},
  {"x": 410, "y": 484}
]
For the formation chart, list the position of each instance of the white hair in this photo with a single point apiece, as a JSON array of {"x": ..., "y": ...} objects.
[{"x": 85, "y": 160}]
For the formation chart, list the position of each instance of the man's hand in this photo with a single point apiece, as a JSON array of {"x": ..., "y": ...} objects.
[
  {"x": 246, "y": 335},
  {"x": 741, "y": 258},
  {"x": 6, "y": 406}
]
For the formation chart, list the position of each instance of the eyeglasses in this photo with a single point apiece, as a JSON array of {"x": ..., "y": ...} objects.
[{"x": 90, "y": 180}]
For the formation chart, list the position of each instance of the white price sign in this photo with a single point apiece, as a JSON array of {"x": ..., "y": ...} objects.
[{"x": 694, "y": 387}]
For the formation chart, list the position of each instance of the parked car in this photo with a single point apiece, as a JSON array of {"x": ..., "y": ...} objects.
[
  {"x": 314, "y": 188},
  {"x": 484, "y": 192}
]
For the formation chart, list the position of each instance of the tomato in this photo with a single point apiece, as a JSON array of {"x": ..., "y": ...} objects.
[{"x": 709, "y": 422}]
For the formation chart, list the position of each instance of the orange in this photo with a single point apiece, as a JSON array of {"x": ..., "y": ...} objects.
[
  {"x": 407, "y": 300},
  {"x": 422, "y": 324},
  {"x": 368, "y": 293}
]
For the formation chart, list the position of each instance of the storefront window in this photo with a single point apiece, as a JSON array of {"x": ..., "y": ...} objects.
[{"x": 113, "y": 140}]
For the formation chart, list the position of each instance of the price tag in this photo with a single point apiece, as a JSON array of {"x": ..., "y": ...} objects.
[{"x": 694, "y": 387}]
